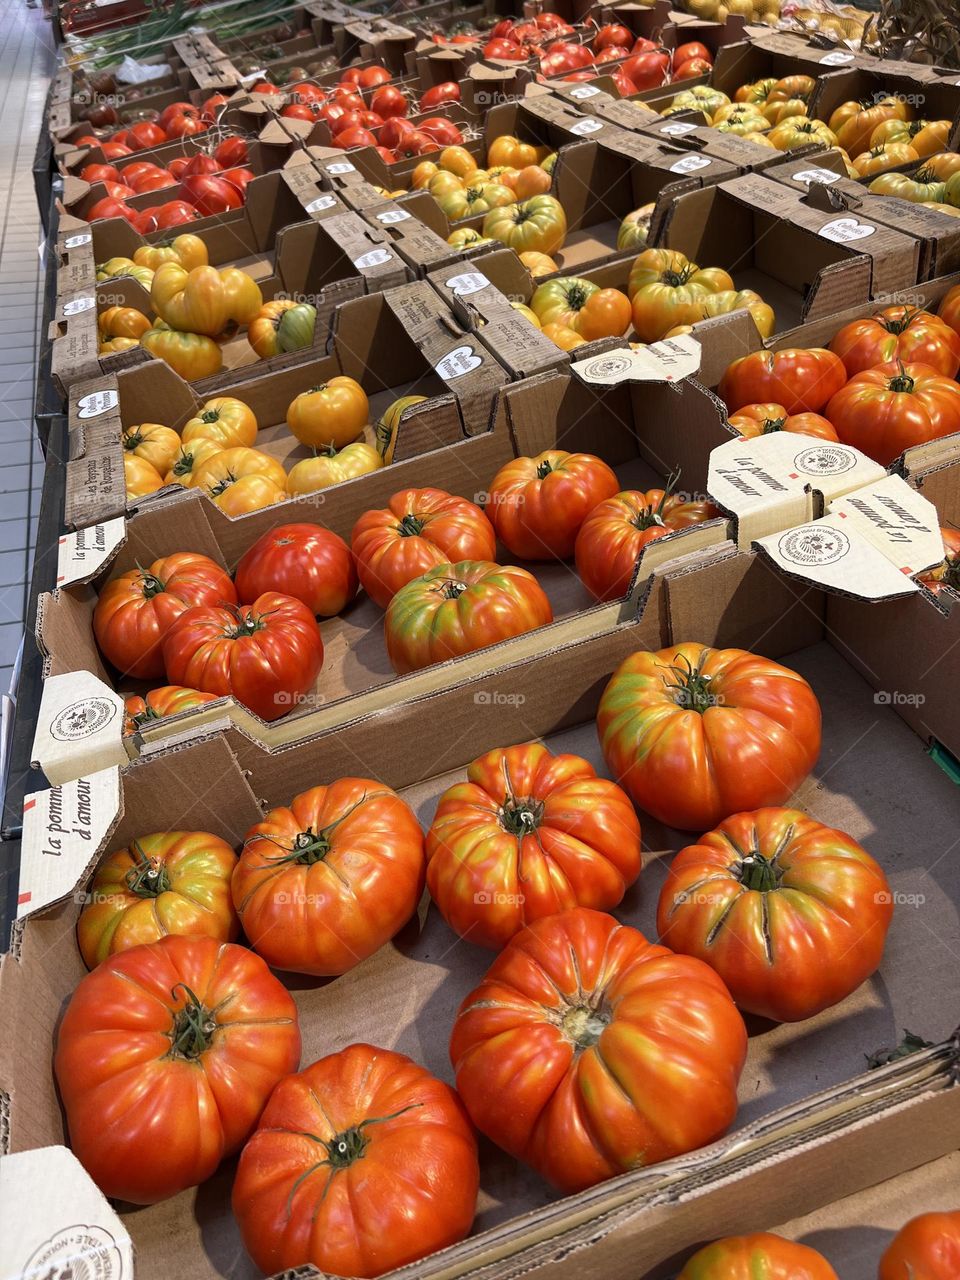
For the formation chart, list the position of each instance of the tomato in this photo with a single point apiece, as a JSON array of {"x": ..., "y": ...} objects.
[
  {"x": 191, "y": 355},
  {"x": 174, "y": 214},
  {"x": 225, "y": 420},
  {"x": 538, "y": 224},
  {"x": 109, "y": 207},
  {"x": 241, "y": 479},
  {"x": 145, "y": 134},
  {"x": 419, "y": 529},
  {"x": 308, "y": 111},
  {"x": 389, "y": 101},
  {"x": 893, "y": 407},
  {"x": 949, "y": 309},
  {"x": 154, "y": 182},
  {"x": 323, "y": 884},
  {"x": 802, "y": 380},
  {"x": 211, "y": 194},
  {"x": 798, "y": 131},
  {"x": 898, "y": 333},
  {"x": 613, "y": 36},
  {"x": 510, "y": 151},
  {"x": 565, "y": 338},
  {"x": 331, "y": 414},
  {"x": 611, "y": 538},
  {"x": 139, "y": 477},
  {"x": 136, "y": 609},
  {"x": 394, "y": 130},
  {"x": 333, "y": 466},
  {"x": 371, "y": 77},
  {"x": 648, "y": 70},
  {"x": 467, "y": 202},
  {"x": 304, "y": 91},
  {"x": 417, "y": 143},
  {"x": 215, "y": 1031},
  {"x": 505, "y": 50},
  {"x": 114, "y": 150},
  {"x": 538, "y": 504},
  {"x": 99, "y": 173},
  {"x": 170, "y": 882},
  {"x": 761, "y": 1256},
  {"x": 458, "y": 608},
  {"x": 667, "y": 289},
  {"x": 154, "y": 443},
  {"x": 695, "y": 734},
  {"x": 538, "y": 264},
  {"x": 168, "y": 700},
  {"x": 947, "y": 572},
  {"x": 177, "y": 109},
  {"x": 122, "y": 322},
  {"x": 442, "y": 130},
  {"x": 854, "y": 123},
  {"x": 266, "y": 654},
  {"x": 263, "y": 329},
  {"x": 692, "y": 50},
  {"x": 306, "y": 561},
  {"x": 578, "y": 1024},
  {"x": 528, "y": 834},
  {"x": 354, "y": 136},
  {"x": 204, "y": 300},
  {"x": 183, "y": 126},
  {"x": 791, "y": 914},
  {"x": 358, "y": 1117},
  {"x": 448, "y": 91},
  {"x": 926, "y": 1248},
  {"x": 761, "y": 419}
]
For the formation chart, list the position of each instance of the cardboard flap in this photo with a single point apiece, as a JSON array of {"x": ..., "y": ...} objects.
[
  {"x": 81, "y": 555},
  {"x": 826, "y": 198},
  {"x": 901, "y": 523},
  {"x": 670, "y": 360}
]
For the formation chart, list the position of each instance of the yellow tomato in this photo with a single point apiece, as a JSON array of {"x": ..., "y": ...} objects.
[
  {"x": 422, "y": 174},
  {"x": 386, "y": 429},
  {"x": 332, "y": 414},
  {"x": 457, "y": 160},
  {"x": 240, "y": 480},
  {"x": 566, "y": 339},
  {"x": 204, "y": 300},
  {"x": 191, "y": 355},
  {"x": 122, "y": 322},
  {"x": 510, "y": 151},
  {"x": 538, "y": 224},
  {"x": 187, "y": 250},
  {"x": 225, "y": 420},
  {"x": 140, "y": 478},
  {"x": 186, "y": 460},
  {"x": 467, "y": 238},
  {"x": 538, "y": 264},
  {"x": 111, "y": 345},
  {"x": 332, "y": 466},
  {"x": 527, "y": 313},
  {"x": 154, "y": 443}
]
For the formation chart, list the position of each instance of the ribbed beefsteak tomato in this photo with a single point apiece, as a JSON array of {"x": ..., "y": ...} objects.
[
  {"x": 538, "y": 504},
  {"x": 580, "y": 1050},
  {"x": 455, "y": 609},
  {"x": 926, "y": 1248},
  {"x": 529, "y": 834},
  {"x": 166, "y": 882},
  {"x": 306, "y": 561},
  {"x": 267, "y": 654},
  {"x": 323, "y": 884},
  {"x": 898, "y": 333},
  {"x": 419, "y": 528},
  {"x": 761, "y": 1256},
  {"x": 695, "y": 734},
  {"x": 754, "y": 420},
  {"x": 801, "y": 379},
  {"x": 893, "y": 407},
  {"x": 793, "y": 915},
  {"x": 167, "y": 700},
  {"x": 165, "y": 1057},
  {"x": 136, "y": 609},
  {"x": 362, "y": 1163}
]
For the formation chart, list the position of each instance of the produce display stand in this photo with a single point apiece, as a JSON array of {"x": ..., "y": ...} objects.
[{"x": 807, "y": 554}]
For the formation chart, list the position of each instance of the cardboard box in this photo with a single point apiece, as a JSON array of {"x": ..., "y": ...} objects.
[
  {"x": 813, "y": 1127},
  {"x": 928, "y": 94}
]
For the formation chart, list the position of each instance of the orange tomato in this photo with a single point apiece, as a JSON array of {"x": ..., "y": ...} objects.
[
  {"x": 332, "y": 414},
  {"x": 239, "y": 480}
]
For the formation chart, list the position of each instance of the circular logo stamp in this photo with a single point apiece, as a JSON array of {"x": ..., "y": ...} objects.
[
  {"x": 81, "y": 719},
  {"x": 607, "y": 367},
  {"x": 77, "y": 1253},
  {"x": 814, "y": 545},
  {"x": 825, "y": 460}
]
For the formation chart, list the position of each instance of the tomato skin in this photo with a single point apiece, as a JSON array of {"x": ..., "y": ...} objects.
[
  {"x": 667, "y": 1025},
  {"x": 420, "y": 528},
  {"x": 538, "y": 504},
  {"x": 167, "y": 700},
  {"x": 361, "y": 1219},
  {"x": 536, "y": 225},
  {"x": 791, "y": 914},
  {"x": 761, "y": 1256},
  {"x": 947, "y": 572},
  {"x": 455, "y": 609},
  {"x": 332, "y": 414},
  {"x": 892, "y": 407},
  {"x": 616, "y": 531},
  {"x": 191, "y": 355},
  {"x": 756, "y": 739},
  {"x": 529, "y": 834},
  {"x": 926, "y": 1248},
  {"x": 204, "y": 1106},
  {"x": 801, "y": 380},
  {"x": 355, "y": 883},
  {"x": 761, "y": 419},
  {"x": 898, "y": 333},
  {"x": 225, "y": 420},
  {"x": 170, "y": 882},
  {"x": 306, "y": 561},
  {"x": 136, "y": 609}
]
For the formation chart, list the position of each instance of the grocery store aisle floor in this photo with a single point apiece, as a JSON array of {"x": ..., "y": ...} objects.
[{"x": 26, "y": 62}]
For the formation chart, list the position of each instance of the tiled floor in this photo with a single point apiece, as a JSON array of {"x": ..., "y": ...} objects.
[{"x": 26, "y": 60}]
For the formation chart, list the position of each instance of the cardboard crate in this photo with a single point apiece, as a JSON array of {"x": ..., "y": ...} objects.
[
  {"x": 813, "y": 1127},
  {"x": 929, "y": 94}
]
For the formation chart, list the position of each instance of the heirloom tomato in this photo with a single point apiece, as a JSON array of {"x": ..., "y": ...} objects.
[
  {"x": 613, "y": 35},
  {"x": 898, "y": 333},
  {"x": 191, "y": 355},
  {"x": 538, "y": 264},
  {"x": 791, "y": 914},
  {"x": 855, "y": 122},
  {"x": 582, "y": 306},
  {"x": 122, "y": 322},
  {"x": 325, "y": 882},
  {"x": 419, "y": 528},
  {"x": 168, "y": 882},
  {"x": 611, "y": 538},
  {"x": 332, "y": 466},
  {"x": 226, "y": 421},
  {"x": 186, "y": 249},
  {"x": 695, "y": 734},
  {"x": 266, "y": 654},
  {"x": 892, "y": 407},
  {"x": 762, "y": 419},
  {"x": 926, "y": 1248},
  {"x": 566, "y": 339},
  {"x": 761, "y": 1256},
  {"x": 389, "y": 422},
  {"x": 331, "y": 414},
  {"x": 215, "y": 1031},
  {"x": 211, "y": 194},
  {"x": 536, "y": 225},
  {"x": 188, "y": 458},
  {"x": 362, "y": 1163},
  {"x": 139, "y": 477},
  {"x": 455, "y": 609},
  {"x": 529, "y": 834},
  {"x": 800, "y": 131},
  {"x": 577, "y": 1026},
  {"x": 635, "y": 228},
  {"x": 802, "y": 380},
  {"x": 204, "y": 299},
  {"x": 947, "y": 572},
  {"x": 949, "y": 311},
  {"x": 240, "y": 480},
  {"x": 538, "y": 504},
  {"x": 167, "y": 700},
  {"x": 154, "y": 443},
  {"x": 136, "y": 609},
  {"x": 306, "y": 561},
  {"x": 466, "y": 202},
  {"x": 665, "y": 288}
]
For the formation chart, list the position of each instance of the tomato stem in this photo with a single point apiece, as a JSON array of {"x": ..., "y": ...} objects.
[
  {"x": 151, "y": 584},
  {"x": 692, "y": 687},
  {"x": 544, "y": 469},
  {"x": 210, "y": 415},
  {"x": 346, "y": 1147},
  {"x": 583, "y": 1026},
  {"x": 410, "y": 526},
  {"x": 772, "y": 424},
  {"x": 902, "y": 381},
  {"x": 521, "y": 817},
  {"x": 193, "y": 1026},
  {"x": 762, "y": 874},
  {"x": 146, "y": 878},
  {"x": 453, "y": 590}
]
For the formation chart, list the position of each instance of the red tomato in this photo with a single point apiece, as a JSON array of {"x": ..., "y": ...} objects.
[
  {"x": 791, "y": 914},
  {"x": 616, "y": 531},
  {"x": 395, "y": 129},
  {"x": 177, "y": 166},
  {"x": 553, "y": 22},
  {"x": 647, "y": 70},
  {"x": 612, "y": 53},
  {"x": 364, "y": 1114},
  {"x": 231, "y": 152},
  {"x": 578, "y": 1024},
  {"x": 213, "y": 106},
  {"x": 302, "y": 111},
  {"x": 114, "y": 150},
  {"x": 643, "y": 45},
  {"x": 240, "y": 178},
  {"x": 696, "y": 734},
  {"x": 625, "y": 86},
  {"x": 108, "y": 207},
  {"x": 201, "y": 163},
  {"x": 761, "y": 419},
  {"x": 761, "y": 1256},
  {"x": 174, "y": 213},
  {"x": 144, "y": 220},
  {"x": 215, "y": 1031},
  {"x": 927, "y": 1248},
  {"x": 136, "y": 168},
  {"x": 898, "y": 333},
  {"x": 389, "y": 101},
  {"x": 210, "y": 194},
  {"x": 503, "y": 29},
  {"x": 893, "y": 407},
  {"x": 323, "y": 884},
  {"x": 371, "y": 77},
  {"x": 135, "y": 610},
  {"x": 505, "y": 50},
  {"x": 448, "y": 91},
  {"x": 802, "y": 380},
  {"x": 305, "y": 561},
  {"x": 613, "y": 36},
  {"x": 264, "y": 86},
  {"x": 266, "y": 654},
  {"x": 348, "y": 98},
  {"x": 352, "y": 119},
  {"x": 347, "y": 139},
  {"x": 419, "y": 529},
  {"x": 537, "y": 505},
  {"x": 529, "y": 834},
  {"x": 304, "y": 91},
  {"x": 693, "y": 50},
  {"x": 154, "y": 182},
  {"x": 145, "y": 134},
  {"x": 692, "y": 69},
  {"x": 118, "y": 190},
  {"x": 177, "y": 109},
  {"x": 565, "y": 57},
  {"x": 455, "y": 609},
  {"x": 186, "y": 127},
  {"x": 416, "y": 143},
  {"x": 442, "y": 130},
  {"x": 351, "y": 78},
  {"x": 99, "y": 173}
]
